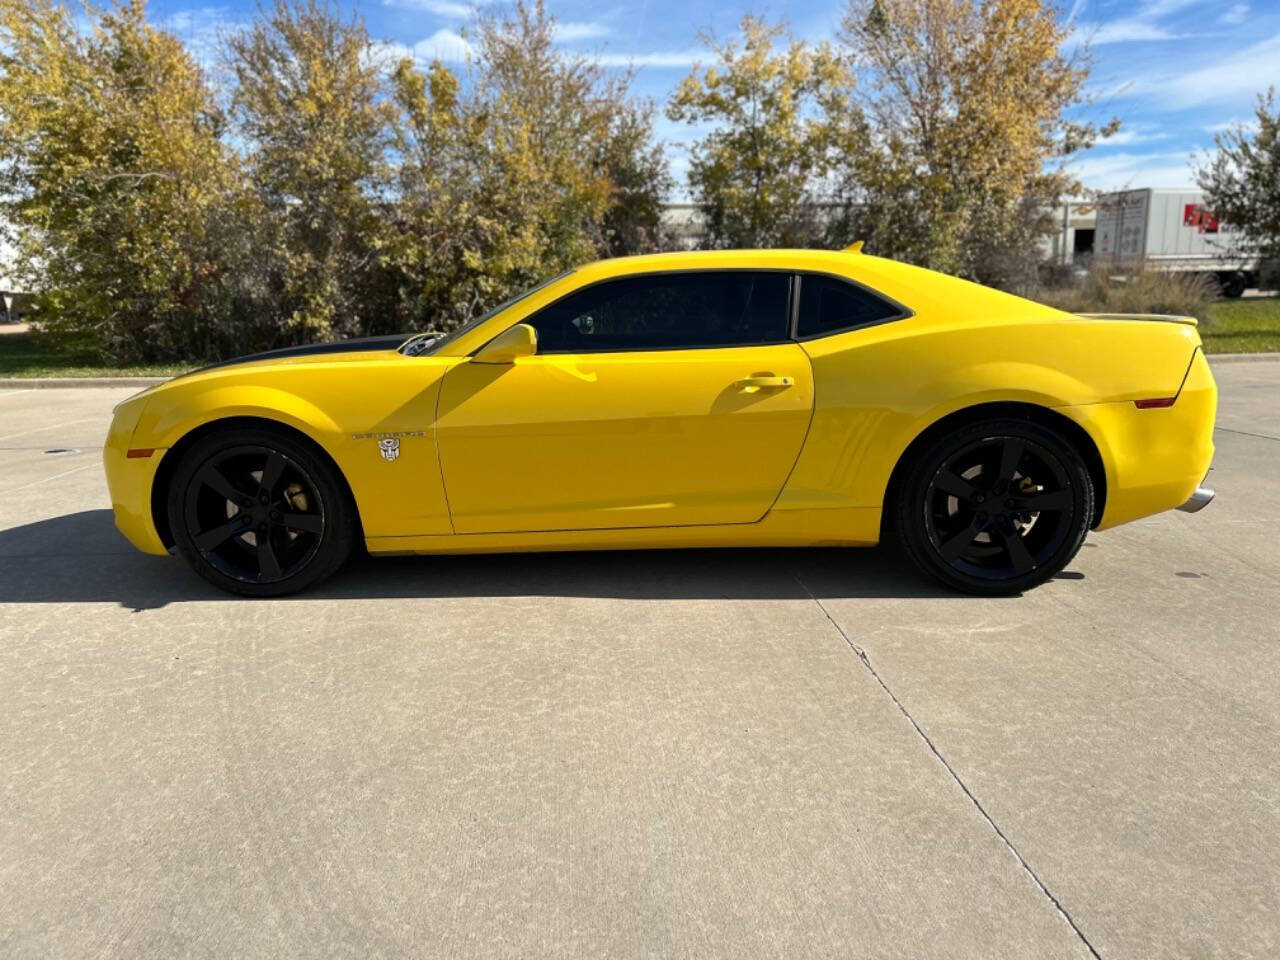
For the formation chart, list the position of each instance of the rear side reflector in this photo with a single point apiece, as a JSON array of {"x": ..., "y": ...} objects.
[
  {"x": 140, "y": 454},
  {"x": 1154, "y": 404}
]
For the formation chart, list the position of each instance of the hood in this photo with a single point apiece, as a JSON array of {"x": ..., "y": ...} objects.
[{"x": 360, "y": 345}]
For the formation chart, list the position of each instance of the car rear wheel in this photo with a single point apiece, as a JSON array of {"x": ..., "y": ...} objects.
[
  {"x": 995, "y": 508},
  {"x": 260, "y": 513}
]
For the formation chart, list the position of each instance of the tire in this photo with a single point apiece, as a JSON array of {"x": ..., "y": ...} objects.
[
  {"x": 959, "y": 522},
  {"x": 1232, "y": 285},
  {"x": 260, "y": 513}
]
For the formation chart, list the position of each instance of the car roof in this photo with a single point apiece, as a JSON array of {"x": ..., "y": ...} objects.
[
  {"x": 779, "y": 259},
  {"x": 903, "y": 282}
]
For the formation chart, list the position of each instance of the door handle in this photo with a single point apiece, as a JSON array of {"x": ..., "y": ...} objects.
[{"x": 755, "y": 384}]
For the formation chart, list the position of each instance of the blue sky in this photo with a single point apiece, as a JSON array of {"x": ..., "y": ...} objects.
[{"x": 1174, "y": 71}]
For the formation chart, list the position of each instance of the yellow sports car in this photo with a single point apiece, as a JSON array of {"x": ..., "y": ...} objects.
[{"x": 711, "y": 399}]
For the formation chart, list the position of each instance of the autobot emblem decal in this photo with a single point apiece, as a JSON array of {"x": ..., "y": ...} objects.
[{"x": 389, "y": 443}]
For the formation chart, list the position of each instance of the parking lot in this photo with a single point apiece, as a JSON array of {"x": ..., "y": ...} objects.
[{"x": 693, "y": 754}]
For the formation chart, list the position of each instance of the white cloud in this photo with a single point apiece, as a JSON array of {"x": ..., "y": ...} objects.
[
  {"x": 193, "y": 19},
  {"x": 1155, "y": 9},
  {"x": 1122, "y": 31},
  {"x": 441, "y": 8},
  {"x": 201, "y": 30},
  {"x": 1250, "y": 124},
  {"x": 1239, "y": 74},
  {"x": 571, "y": 31},
  {"x": 659, "y": 58},
  {"x": 1128, "y": 136},
  {"x": 1107, "y": 89},
  {"x": 1143, "y": 24},
  {"x": 1119, "y": 170},
  {"x": 444, "y": 45},
  {"x": 1236, "y": 14},
  {"x": 388, "y": 52}
]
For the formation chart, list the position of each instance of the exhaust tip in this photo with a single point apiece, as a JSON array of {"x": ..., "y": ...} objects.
[{"x": 1199, "y": 500}]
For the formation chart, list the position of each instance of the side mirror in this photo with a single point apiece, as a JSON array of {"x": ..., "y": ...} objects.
[{"x": 519, "y": 341}]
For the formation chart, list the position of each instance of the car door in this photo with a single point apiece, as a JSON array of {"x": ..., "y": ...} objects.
[{"x": 653, "y": 400}]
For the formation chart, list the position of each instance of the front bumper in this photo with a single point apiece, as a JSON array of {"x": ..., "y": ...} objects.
[
  {"x": 129, "y": 479},
  {"x": 129, "y": 483},
  {"x": 1199, "y": 500}
]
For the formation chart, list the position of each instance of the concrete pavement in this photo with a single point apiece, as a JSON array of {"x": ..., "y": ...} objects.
[{"x": 739, "y": 754}]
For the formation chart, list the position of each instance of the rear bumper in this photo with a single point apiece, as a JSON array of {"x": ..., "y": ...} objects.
[
  {"x": 1154, "y": 459},
  {"x": 1199, "y": 500}
]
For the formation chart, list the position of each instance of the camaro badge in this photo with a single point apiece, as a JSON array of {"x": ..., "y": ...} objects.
[{"x": 389, "y": 448}]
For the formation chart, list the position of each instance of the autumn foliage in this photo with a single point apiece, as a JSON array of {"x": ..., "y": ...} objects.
[
  {"x": 1241, "y": 184},
  {"x": 332, "y": 191},
  {"x": 324, "y": 188}
]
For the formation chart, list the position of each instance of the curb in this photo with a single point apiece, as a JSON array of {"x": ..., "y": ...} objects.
[
  {"x": 1241, "y": 357},
  {"x": 81, "y": 383}
]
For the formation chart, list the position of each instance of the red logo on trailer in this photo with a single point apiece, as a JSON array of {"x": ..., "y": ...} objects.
[{"x": 1194, "y": 215}]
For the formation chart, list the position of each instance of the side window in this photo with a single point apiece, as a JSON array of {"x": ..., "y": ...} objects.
[
  {"x": 828, "y": 305},
  {"x": 668, "y": 311}
]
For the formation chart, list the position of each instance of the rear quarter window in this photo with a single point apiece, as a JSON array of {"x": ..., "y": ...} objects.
[{"x": 829, "y": 305}]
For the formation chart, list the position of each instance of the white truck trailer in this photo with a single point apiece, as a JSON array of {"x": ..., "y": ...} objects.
[{"x": 1171, "y": 230}]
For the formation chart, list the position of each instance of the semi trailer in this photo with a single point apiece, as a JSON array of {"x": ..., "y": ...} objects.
[{"x": 1172, "y": 230}]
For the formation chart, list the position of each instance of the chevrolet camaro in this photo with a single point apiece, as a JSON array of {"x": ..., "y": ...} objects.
[{"x": 710, "y": 399}]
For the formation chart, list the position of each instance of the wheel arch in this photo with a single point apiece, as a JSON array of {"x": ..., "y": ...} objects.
[
  {"x": 169, "y": 463},
  {"x": 1046, "y": 416}
]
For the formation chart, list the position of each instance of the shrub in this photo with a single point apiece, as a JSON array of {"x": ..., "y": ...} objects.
[
  {"x": 1107, "y": 290},
  {"x": 115, "y": 183}
]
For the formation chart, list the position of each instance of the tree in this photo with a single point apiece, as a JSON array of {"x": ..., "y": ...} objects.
[
  {"x": 761, "y": 172},
  {"x": 1241, "y": 183},
  {"x": 636, "y": 166},
  {"x": 116, "y": 183},
  {"x": 337, "y": 197},
  {"x": 310, "y": 110},
  {"x": 955, "y": 160},
  {"x": 439, "y": 236},
  {"x": 542, "y": 164}
]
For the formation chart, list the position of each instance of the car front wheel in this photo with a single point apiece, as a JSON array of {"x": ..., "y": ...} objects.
[
  {"x": 997, "y": 507},
  {"x": 259, "y": 512}
]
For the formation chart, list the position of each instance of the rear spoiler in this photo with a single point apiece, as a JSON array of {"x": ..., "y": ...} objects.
[{"x": 1155, "y": 317}]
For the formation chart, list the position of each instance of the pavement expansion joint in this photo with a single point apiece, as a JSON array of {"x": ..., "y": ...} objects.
[
  {"x": 866, "y": 662},
  {"x": 1246, "y": 433}
]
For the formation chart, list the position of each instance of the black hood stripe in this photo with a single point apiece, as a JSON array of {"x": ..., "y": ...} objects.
[{"x": 360, "y": 345}]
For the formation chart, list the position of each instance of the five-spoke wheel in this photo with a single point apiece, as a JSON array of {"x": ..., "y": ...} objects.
[
  {"x": 996, "y": 507},
  {"x": 259, "y": 512}
]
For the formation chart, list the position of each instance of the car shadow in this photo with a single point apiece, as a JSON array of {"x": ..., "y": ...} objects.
[{"x": 81, "y": 558}]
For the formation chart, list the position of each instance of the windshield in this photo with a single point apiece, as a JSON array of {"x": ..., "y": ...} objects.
[{"x": 428, "y": 344}]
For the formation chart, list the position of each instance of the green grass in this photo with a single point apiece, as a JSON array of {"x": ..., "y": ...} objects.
[
  {"x": 1243, "y": 326},
  {"x": 23, "y": 356}
]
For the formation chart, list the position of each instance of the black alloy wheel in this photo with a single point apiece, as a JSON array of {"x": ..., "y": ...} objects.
[
  {"x": 260, "y": 513},
  {"x": 996, "y": 508}
]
